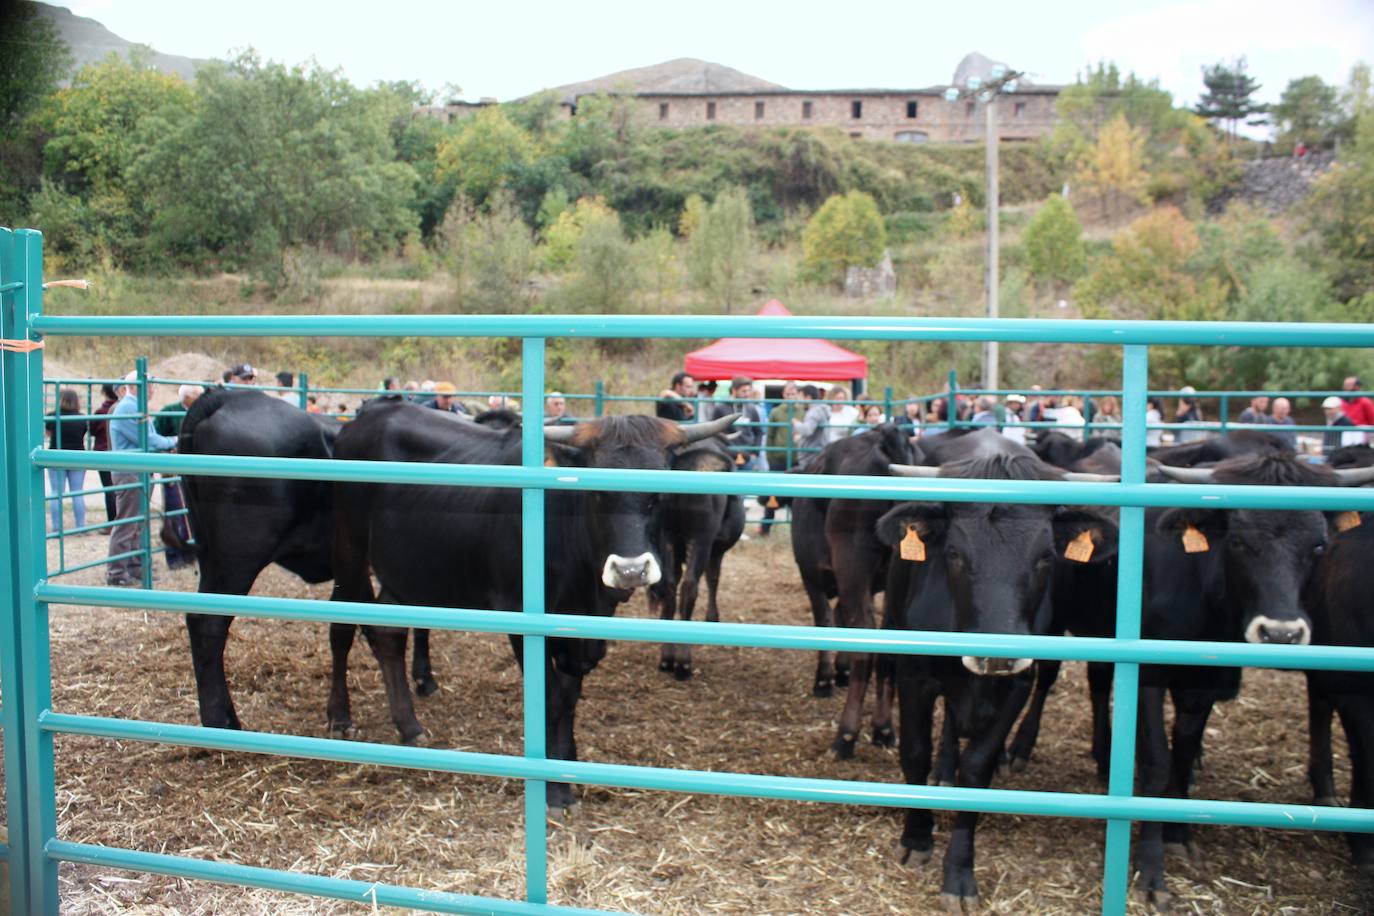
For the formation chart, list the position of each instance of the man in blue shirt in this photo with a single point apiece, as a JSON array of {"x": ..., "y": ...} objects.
[{"x": 124, "y": 437}]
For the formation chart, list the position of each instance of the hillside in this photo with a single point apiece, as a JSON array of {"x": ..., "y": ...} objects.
[
  {"x": 91, "y": 42},
  {"x": 685, "y": 74}
]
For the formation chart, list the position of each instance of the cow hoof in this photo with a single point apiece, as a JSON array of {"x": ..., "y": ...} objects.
[
  {"x": 823, "y": 688},
  {"x": 1329, "y": 801},
  {"x": 884, "y": 736},
  {"x": 426, "y": 686},
  {"x": 1184, "y": 851},
  {"x": 914, "y": 857},
  {"x": 682, "y": 672},
  {"x": 559, "y": 801},
  {"x": 1019, "y": 764},
  {"x": 345, "y": 731},
  {"x": 958, "y": 905},
  {"x": 843, "y": 746},
  {"x": 1157, "y": 897},
  {"x": 665, "y": 664},
  {"x": 1365, "y": 870},
  {"x": 842, "y": 678},
  {"x": 420, "y": 739}
]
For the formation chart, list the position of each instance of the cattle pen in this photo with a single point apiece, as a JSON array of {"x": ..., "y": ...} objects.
[{"x": 30, "y": 723}]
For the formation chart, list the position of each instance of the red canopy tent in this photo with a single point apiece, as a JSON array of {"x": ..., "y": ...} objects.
[{"x": 808, "y": 358}]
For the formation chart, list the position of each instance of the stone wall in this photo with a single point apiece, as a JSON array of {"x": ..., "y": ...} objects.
[{"x": 1279, "y": 183}]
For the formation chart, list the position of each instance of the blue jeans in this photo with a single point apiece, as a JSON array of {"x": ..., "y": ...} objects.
[{"x": 74, "y": 481}]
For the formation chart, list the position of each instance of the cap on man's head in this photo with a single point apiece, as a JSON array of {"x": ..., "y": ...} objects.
[
  {"x": 445, "y": 388},
  {"x": 131, "y": 376},
  {"x": 1330, "y": 402},
  {"x": 740, "y": 381},
  {"x": 1016, "y": 399},
  {"x": 1187, "y": 389},
  {"x": 243, "y": 370}
]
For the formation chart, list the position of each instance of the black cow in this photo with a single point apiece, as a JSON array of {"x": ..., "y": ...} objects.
[
  {"x": 838, "y": 555},
  {"x": 1352, "y": 456},
  {"x": 974, "y": 568},
  {"x": 1219, "y": 448},
  {"x": 1339, "y": 607},
  {"x": 1091, "y": 454},
  {"x": 243, "y": 525},
  {"x": 461, "y": 546},
  {"x": 697, "y": 531}
]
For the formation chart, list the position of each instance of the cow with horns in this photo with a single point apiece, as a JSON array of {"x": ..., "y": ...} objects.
[
  {"x": 461, "y": 546},
  {"x": 974, "y": 568}
]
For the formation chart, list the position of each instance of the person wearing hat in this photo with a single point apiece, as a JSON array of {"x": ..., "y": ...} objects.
[
  {"x": 1334, "y": 408},
  {"x": 124, "y": 437},
  {"x": 1188, "y": 412},
  {"x": 444, "y": 398},
  {"x": 1015, "y": 404},
  {"x": 242, "y": 374}
]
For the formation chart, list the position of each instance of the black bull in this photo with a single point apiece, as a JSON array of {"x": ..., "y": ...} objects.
[{"x": 461, "y": 546}]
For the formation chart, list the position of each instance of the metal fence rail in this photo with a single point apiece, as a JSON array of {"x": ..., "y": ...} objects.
[{"x": 31, "y": 723}]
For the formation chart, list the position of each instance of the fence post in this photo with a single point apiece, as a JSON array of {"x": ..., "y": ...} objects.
[
  {"x": 145, "y": 480},
  {"x": 599, "y": 405},
  {"x": 887, "y": 403},
  {"x": 951, "y": 415},
  {"x": 1130, "y": 574},
  {"x": 305, "y": 391},
  {"x": 24, "y": 659},
  {"x": 1225, "y": 410},
  {"x": 532, "y": 585}
]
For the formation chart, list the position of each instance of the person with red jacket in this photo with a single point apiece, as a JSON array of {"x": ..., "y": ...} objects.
[{"x": 1358, "y": 408}]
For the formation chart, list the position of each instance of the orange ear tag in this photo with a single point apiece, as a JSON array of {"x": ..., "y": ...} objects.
[
  {"x": 1347, "y": 520},
  {"x": 913, "y": 548},
  {"x": 739, "y": 459},
  {"x": 1194, "y": 541},
  {"x": 772, "y": 502},
  {"x": 1081, "y": 548}
]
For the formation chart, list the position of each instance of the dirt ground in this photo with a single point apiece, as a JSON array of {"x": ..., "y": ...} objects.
[{"x": 651, "y": 852}]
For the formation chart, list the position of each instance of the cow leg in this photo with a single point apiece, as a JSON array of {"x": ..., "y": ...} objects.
[
  {"x": 947, "y": 765},
  {"x": 1100, "y": 694},
  {"x": 339, "y": 714},
  {"x": 1192, "y": 708},
  {"x": 388, "y": 644},
  {"x": 663, "y": 597},
  {"x": 822, "y": 615},
  {"x": 420, "y": 671},
  {"x": 561, "y": 693},
  {"x": 843, "y": 668},
  {"x": 917, "y": 711},
  {"x": 1023, "y": 745},
  {"x": 1152, "y": 758},
  {"x": 1357, "y": 718},
  {"x": 856, "y": 611},
  {"x": 690, "y": 585},
  {"x": 713, "y": 585},
  {"x": 976, "y": 768},
  {"x": 1319, "y": 766},
  {"x": 208, "y": 634},
  {"x": 884, "y": 688}
]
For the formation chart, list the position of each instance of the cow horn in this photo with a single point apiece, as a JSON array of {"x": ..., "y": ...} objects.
[
  {"x": 1355, "y": 477},
  {"x": 1187, "y": 475},
  {"x": 562, "y": 433},
  {"x": 698, "y": 431},
  {"x": 1085, "y": 477},
  {"x": 913, "y": 470}
]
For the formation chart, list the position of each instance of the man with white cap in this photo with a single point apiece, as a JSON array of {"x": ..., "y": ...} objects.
[
  {"x": 1015, "y": 404},
  {"x": 1333, "y": 407},
  {"x": 124, "y": 437}
]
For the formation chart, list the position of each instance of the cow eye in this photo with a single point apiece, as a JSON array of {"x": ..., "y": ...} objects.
[{"x": 1318, "y": 550}]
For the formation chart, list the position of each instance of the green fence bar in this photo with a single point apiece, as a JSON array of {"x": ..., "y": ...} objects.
[{"x": 532, "y": 600}]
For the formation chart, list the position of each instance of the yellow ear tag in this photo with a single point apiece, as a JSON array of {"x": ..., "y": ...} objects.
[
  {"x": 913, "y": 548},
  {"x": 772, "y": 502},
  {"x": 1347, "y": 520},
  {"x": 1080, "y": 549},
  {"x": 1194, "y": 541},
  {"x": 550, "y": 463},
  {"x": 739, "y": 459}
]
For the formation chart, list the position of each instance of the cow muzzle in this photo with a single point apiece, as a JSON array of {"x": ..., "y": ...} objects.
[
  {"x": 1281, "y": 632},
  {"x": 995, "y": 667},
  {"x": 631, "y": 572}
]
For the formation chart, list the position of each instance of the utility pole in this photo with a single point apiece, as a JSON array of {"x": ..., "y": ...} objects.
[{"x": 990, "y": 361}]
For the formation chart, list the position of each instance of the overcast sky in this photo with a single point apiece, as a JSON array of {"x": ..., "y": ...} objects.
[{"x": 506, "y": 50}]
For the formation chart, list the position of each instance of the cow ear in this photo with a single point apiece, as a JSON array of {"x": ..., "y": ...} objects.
[
  {"x": 928, "y": 519},
  {"x": 556, "y": 454},
  {"x": 1083, "y": 537},
  {"x": 1196, "y": 529},
  {"x": 700, "y": 459},
  {"x": 1339, "y": 522}
]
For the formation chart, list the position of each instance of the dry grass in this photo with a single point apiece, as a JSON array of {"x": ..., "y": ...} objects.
[{"x": 746, "y": 710}]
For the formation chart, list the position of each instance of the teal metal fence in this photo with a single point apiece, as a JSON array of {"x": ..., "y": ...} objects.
[{"x": 31, "y": 723}]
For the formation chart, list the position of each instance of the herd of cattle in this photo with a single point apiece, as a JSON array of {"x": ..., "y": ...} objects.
[{"x": 1209, "y": 574}]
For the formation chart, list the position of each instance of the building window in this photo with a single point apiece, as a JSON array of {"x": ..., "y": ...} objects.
[
  {"x": 968, "y": 108},
  {"x": 663, "y": 111},
  {"x": 911, "y": 109},
  {"x": 758, "y": 111},
  {"x": 710, "y": 111},
  {"x": 806, "y": 111},
  {"x": 911, "y": 136},
  {"x": 856, "y": 109},
  {"x": 1019, "y": 110}
]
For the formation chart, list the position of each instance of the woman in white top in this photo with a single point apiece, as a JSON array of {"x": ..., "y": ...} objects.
[
  {"x": 1153, "y": 417},
  {"x": 843, "y": 417},
  {"x": 1068, "y": 415}
]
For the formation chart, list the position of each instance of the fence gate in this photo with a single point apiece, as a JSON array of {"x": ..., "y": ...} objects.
[{"x": 35, "y": 848}]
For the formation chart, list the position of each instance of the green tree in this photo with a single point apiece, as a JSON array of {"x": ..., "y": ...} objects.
[
  {"x": 847, "y": 231},
  {"x": 1054, "y": 242},
  {"x": 484, "y": 154},
  {"x": 33, "y": 60},
  {"x": 494, "y": 257},
  {"x": 720, "y": 251},
  {"x": 1307, "y": 112},
  {"x": 561, "y": 236},
  {"x": 656, "y": 252},
  {"x": 1340, "y": 214},
  {"x": 1357, "y": 98},
  {"x": 1228, "y": 98},
  {"x": 604, "y": 275},
  {"x": 1115, "y": 167}
]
